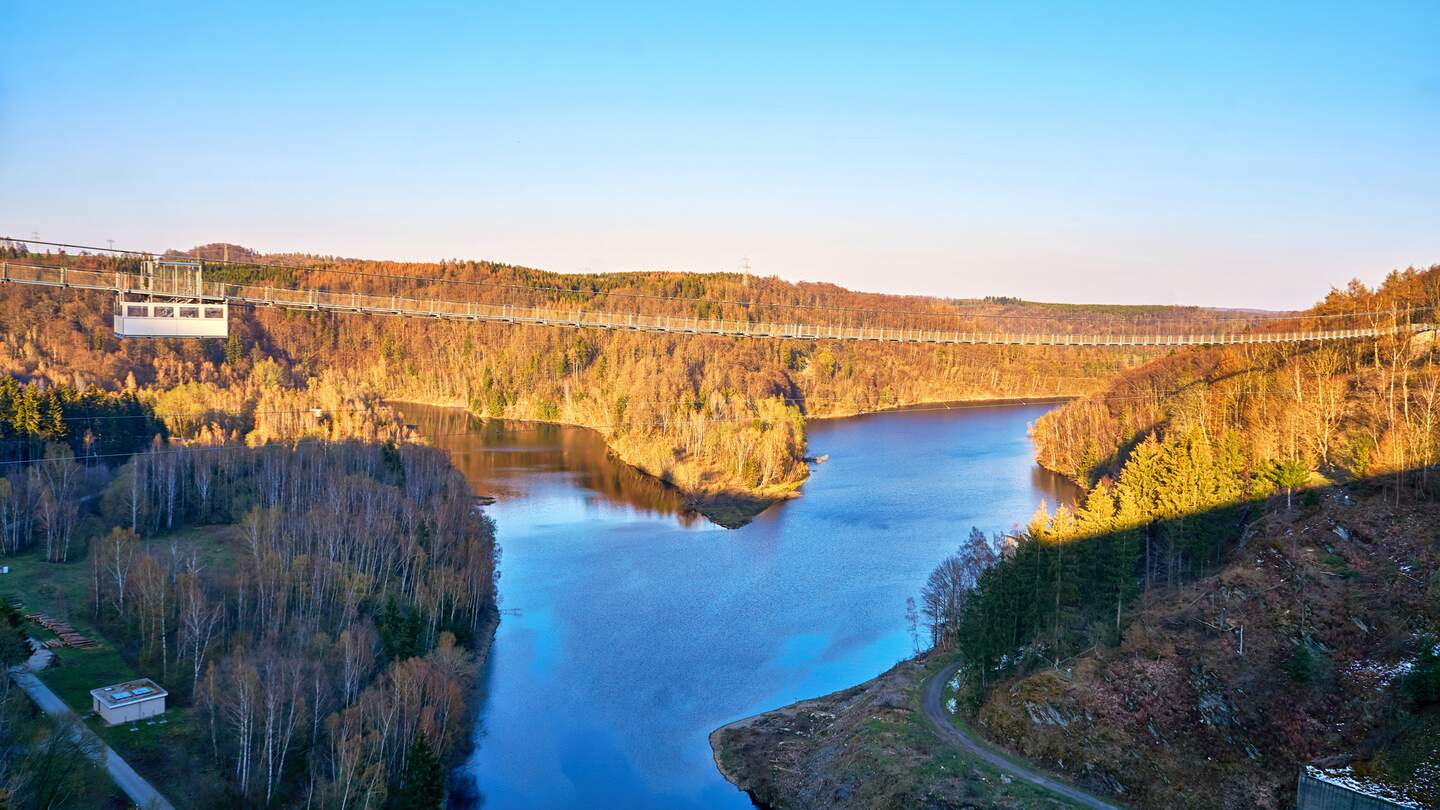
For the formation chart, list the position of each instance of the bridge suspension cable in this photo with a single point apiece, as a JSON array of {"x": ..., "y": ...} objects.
[
  {"x": 320, "y": 265},
  {"x": 320, "y": 300}
]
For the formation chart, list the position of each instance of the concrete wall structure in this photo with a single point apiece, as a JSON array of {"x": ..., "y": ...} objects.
[{"x": 1319, "y": 794}]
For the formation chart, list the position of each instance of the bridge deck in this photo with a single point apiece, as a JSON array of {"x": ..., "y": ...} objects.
[{"x": 324, "y": 300}]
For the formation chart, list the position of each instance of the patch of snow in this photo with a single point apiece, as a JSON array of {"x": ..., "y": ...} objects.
[
  {"x": 951, "y": 706},
  {"x": 1374, "y": 672},
  {"x": 1344, "y": 777}
]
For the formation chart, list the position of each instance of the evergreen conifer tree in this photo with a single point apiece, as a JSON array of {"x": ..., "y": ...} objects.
[
  {"x": 14, "y": 648},
  {"x": 54, "y": 418},
  {"x": 422, "y": 784},
  {"x": 1292, "y": 475},
  {"x": 27, "y": 412}
]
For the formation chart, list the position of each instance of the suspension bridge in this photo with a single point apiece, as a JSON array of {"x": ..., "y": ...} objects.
[{"x": 176, "y": 301}]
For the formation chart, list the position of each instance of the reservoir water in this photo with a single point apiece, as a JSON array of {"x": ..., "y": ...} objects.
[{"x": 632, "y": 628}]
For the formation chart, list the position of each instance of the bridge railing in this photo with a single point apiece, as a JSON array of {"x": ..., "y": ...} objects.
[{"x": 328, "y": 300}]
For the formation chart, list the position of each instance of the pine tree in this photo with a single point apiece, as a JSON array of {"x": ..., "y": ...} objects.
[
  {"x": 54, "y": 417},
  {"x": 1422, "y": 685},
  {"x": 1292, "y": 475},
  {"x": 392, "y": 631},
  {"x": 422, "y": 784},
  {"x": 1230, "y": 468},
  {"x": 1098, "y": 514},
  {"x": 234, "y": 349},
  {"x": 414, "y": 631},
  {"x": 1302, "y": 665},
  {"x": 27, "y": 412},
  {"x": 14, "y": 648},
  {"x": 9, "y": 400},
  {"x": 1039, "y": 526},
  {"x": 1122, "y": 551}
]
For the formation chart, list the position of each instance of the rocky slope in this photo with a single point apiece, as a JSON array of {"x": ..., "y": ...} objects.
[
  {"x": 1292, "y": 653},
  {"x": 864, "y": 747}
]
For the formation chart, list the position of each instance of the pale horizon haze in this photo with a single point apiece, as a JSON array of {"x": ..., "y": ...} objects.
[{"x": 1239, "y": 155}]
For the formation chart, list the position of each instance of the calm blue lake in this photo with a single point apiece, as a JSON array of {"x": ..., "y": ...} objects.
[{"x": 633, "y": 628}]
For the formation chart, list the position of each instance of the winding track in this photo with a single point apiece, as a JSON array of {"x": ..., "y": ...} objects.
[{"x": 952, "y": 734}]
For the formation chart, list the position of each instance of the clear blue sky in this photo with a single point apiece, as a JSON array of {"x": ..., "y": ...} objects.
[{"x": 1231, "y": 154}]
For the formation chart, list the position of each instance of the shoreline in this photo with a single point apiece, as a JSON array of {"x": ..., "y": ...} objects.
[
  {"x": 727, "y": 509},
  {"x": 734, "y": 779},
  {"x": 730, "y": 509},
  {"x": 938, "y": 405},
  {"x": 730, "y": 756},
  {"x": 458, "y": 784},
  {"x": 873, "y": 744}
]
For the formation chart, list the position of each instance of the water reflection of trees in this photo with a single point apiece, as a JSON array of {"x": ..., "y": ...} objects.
[
  {"x": 1057, "y": 488},
  {"x": 493, "y": 453}
]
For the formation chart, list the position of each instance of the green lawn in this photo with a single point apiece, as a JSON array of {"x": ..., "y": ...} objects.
[
  {"x": 82, "y": 670},
  {"x": 147, "y": 736},
  {"x": 217, "y": 546},
  {"x": 165, "y": 750},
  {"x": 60, "y": 590}
]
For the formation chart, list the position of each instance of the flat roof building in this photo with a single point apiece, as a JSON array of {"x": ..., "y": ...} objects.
[{"x": 129, "y": 701}]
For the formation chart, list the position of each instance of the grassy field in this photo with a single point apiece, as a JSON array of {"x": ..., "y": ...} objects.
[
  {"x": 165, "y": 750},
  {"x": 60, "y": 590}
]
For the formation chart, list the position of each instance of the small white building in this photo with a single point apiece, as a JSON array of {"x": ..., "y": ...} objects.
[{"x": 129, "y": 701}]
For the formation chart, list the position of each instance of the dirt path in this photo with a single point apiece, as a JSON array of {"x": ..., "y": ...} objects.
[{"x": 952, "y": 734}]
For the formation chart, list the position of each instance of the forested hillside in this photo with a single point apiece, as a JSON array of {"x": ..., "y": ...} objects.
[
  {"x": 259, "y": 536},
  {"x": 1315, "y": 643},
  {"x": 1358, "y": 409},
  {"x": 723, "y": 419},
  {"x": 1250, "y": 583}
]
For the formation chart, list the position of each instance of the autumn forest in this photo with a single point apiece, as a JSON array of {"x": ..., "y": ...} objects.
[{"x": 252, "y": 522}]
